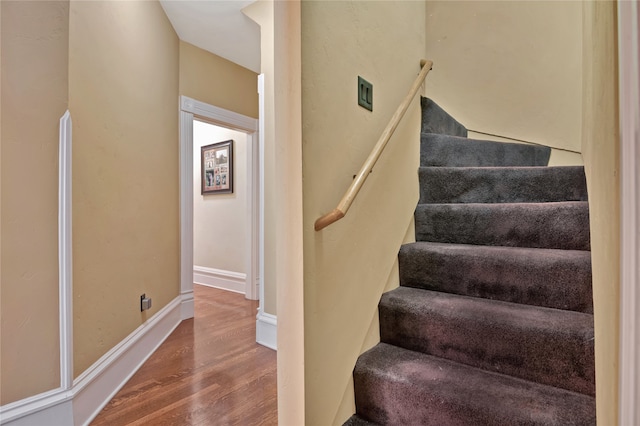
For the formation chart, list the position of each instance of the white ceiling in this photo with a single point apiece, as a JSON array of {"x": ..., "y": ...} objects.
[{"x": 218, "y": 26}]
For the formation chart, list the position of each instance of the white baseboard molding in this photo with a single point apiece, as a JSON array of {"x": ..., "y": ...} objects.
[
  {"x": 218, "y": 278},
  {"x": 267, "y": 330},
  {"x": 94, "y": 388},
  {"x": 48, "y": 408}
]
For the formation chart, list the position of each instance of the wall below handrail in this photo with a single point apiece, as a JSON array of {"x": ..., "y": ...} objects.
[{"x": 359, "y": 179}]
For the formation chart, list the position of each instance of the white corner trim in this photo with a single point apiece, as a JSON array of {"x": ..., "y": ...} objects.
[
  {"x": 629, "y": 98},
  {"x": 65, "y": 253},
  {"x": 53, "y": 408},
  {"x": 186, "y": 202},
  {"x": 267, "y": 330},
  {"x": 95, "y": 387},
  {"x": 218, "y": 278},
  {"x": 218, "y": 115}
]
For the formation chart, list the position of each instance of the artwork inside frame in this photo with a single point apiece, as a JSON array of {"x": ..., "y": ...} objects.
[{"x": 217, "y": 168}]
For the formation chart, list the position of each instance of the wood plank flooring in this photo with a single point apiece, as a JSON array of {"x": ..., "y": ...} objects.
[{"x": 209, "y": 371}]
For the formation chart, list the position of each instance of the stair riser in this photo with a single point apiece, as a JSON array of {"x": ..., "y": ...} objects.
[
  {"x": 556, "y": 350},
  {"x": 502, "y": 185},
  {"x": 545, "y": 225},
  {"x": 448, "y": 151},
  {"x": 413, "y": 389},
  {"x": 558, "y": 279}
]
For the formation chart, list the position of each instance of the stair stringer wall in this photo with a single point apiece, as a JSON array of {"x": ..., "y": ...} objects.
[
  {"x": 372, "y": 336},
  {"x": 346, "y": 265}
]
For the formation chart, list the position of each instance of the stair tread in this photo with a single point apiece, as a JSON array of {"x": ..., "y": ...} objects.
[
  {"x": 530, "y": 342},
  {"x": 560, "y": 225},
  {"x": 536, "y": 276},
  {"x": 494, "y": 312},
  {"x": 446, "y": 150},
  {"x": 499, "y": 251},
  {"x": 502, "y": 184},
  {"x": 399, "y": 386},
  {"x": 499, "y": 206}
]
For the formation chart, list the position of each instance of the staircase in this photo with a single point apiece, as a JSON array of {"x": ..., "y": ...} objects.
[{"x": 493, "y": 321}]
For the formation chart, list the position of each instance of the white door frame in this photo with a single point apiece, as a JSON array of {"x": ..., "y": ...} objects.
[{"x": 190, "y": 109}]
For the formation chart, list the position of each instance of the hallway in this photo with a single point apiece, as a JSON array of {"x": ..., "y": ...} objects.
[{"x": 209, "y": 371}]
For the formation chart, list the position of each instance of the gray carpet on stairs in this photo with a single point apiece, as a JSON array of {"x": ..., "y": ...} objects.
[
  {"x": 438, "y": 150},
  {"x": 558, "y": 279},
  {"x": 437, "y": 120},
  {"x": 543, "y": 225},
  {"x": 488, "y": 331},
  {"x": 395, "y": 386},
  {"x": 502, "y": 184},
  {"x": 493, "y": 321}
]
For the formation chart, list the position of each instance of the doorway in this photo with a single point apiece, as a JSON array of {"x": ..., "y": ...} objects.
[
  {"x": 192, "y": 110},
  {"x": 219, "y": 208}
]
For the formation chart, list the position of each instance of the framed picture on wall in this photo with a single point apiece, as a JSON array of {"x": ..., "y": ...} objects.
[{"x": 217, "y": 168}]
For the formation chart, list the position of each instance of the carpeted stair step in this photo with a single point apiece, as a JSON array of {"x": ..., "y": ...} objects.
[
  {"x": 552, "y": 278},
  {"x": 437, "y": 120},
  {"x": 395, "y": 386},
  {"x": 563, "y": 225},
  {"x": 548, "y": 346},
  {"x": 438, "y": 150},
  {"x": 502, "y": 184}
]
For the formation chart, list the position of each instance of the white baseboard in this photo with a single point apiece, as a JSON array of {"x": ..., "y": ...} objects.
[
  {"x": 48, "y": 408},
  {"x": 267, "y": 330},
  {"x": 94, "y": 388},
  {"x": 218, "y": 278}
]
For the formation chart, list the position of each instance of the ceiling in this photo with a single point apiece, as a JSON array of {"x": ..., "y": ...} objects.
[{"x": 218, "y": 26}]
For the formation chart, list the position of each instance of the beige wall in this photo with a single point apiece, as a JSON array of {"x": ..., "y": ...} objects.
[
  {"x": 513, "y": 69},
  {"x": 34, "y": 96},
  {"x": 116, "y": 65},
  {"x": 217, "y": 81},
  {"x": 280, "y": 63},
  {"x": 601, "y": 150},
  {"x": 123, "y": 97},
  {"x": 219, "y": 220},
  {"x": 348, "y": 265}
]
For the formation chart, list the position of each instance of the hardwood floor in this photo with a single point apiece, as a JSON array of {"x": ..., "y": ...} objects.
[{"x": 209, "y": 371}]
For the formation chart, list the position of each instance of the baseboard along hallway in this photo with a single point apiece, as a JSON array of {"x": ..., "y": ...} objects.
[{"x": 209, "y": 371}]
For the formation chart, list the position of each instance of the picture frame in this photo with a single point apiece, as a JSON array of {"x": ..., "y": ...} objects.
[{"x": 216, "y": 168}]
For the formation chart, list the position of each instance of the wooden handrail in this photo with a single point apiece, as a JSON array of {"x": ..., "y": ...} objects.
[{"x": 339, "y": 212}]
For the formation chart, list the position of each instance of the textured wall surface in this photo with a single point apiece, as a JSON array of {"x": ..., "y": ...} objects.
[
  {"x": 123, "y": 97},
  {"x": 349, "y": 264},
  {"x": 216, "y": 81},
  {"x": 513, "y": 69},
  {"x": 35, "y": 42}
]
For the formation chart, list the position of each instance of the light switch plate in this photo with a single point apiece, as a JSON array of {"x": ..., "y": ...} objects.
[{"x": 365, "y": 94}]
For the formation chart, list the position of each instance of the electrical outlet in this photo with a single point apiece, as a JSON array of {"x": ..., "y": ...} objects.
[{"x": 145, "y": 302}]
